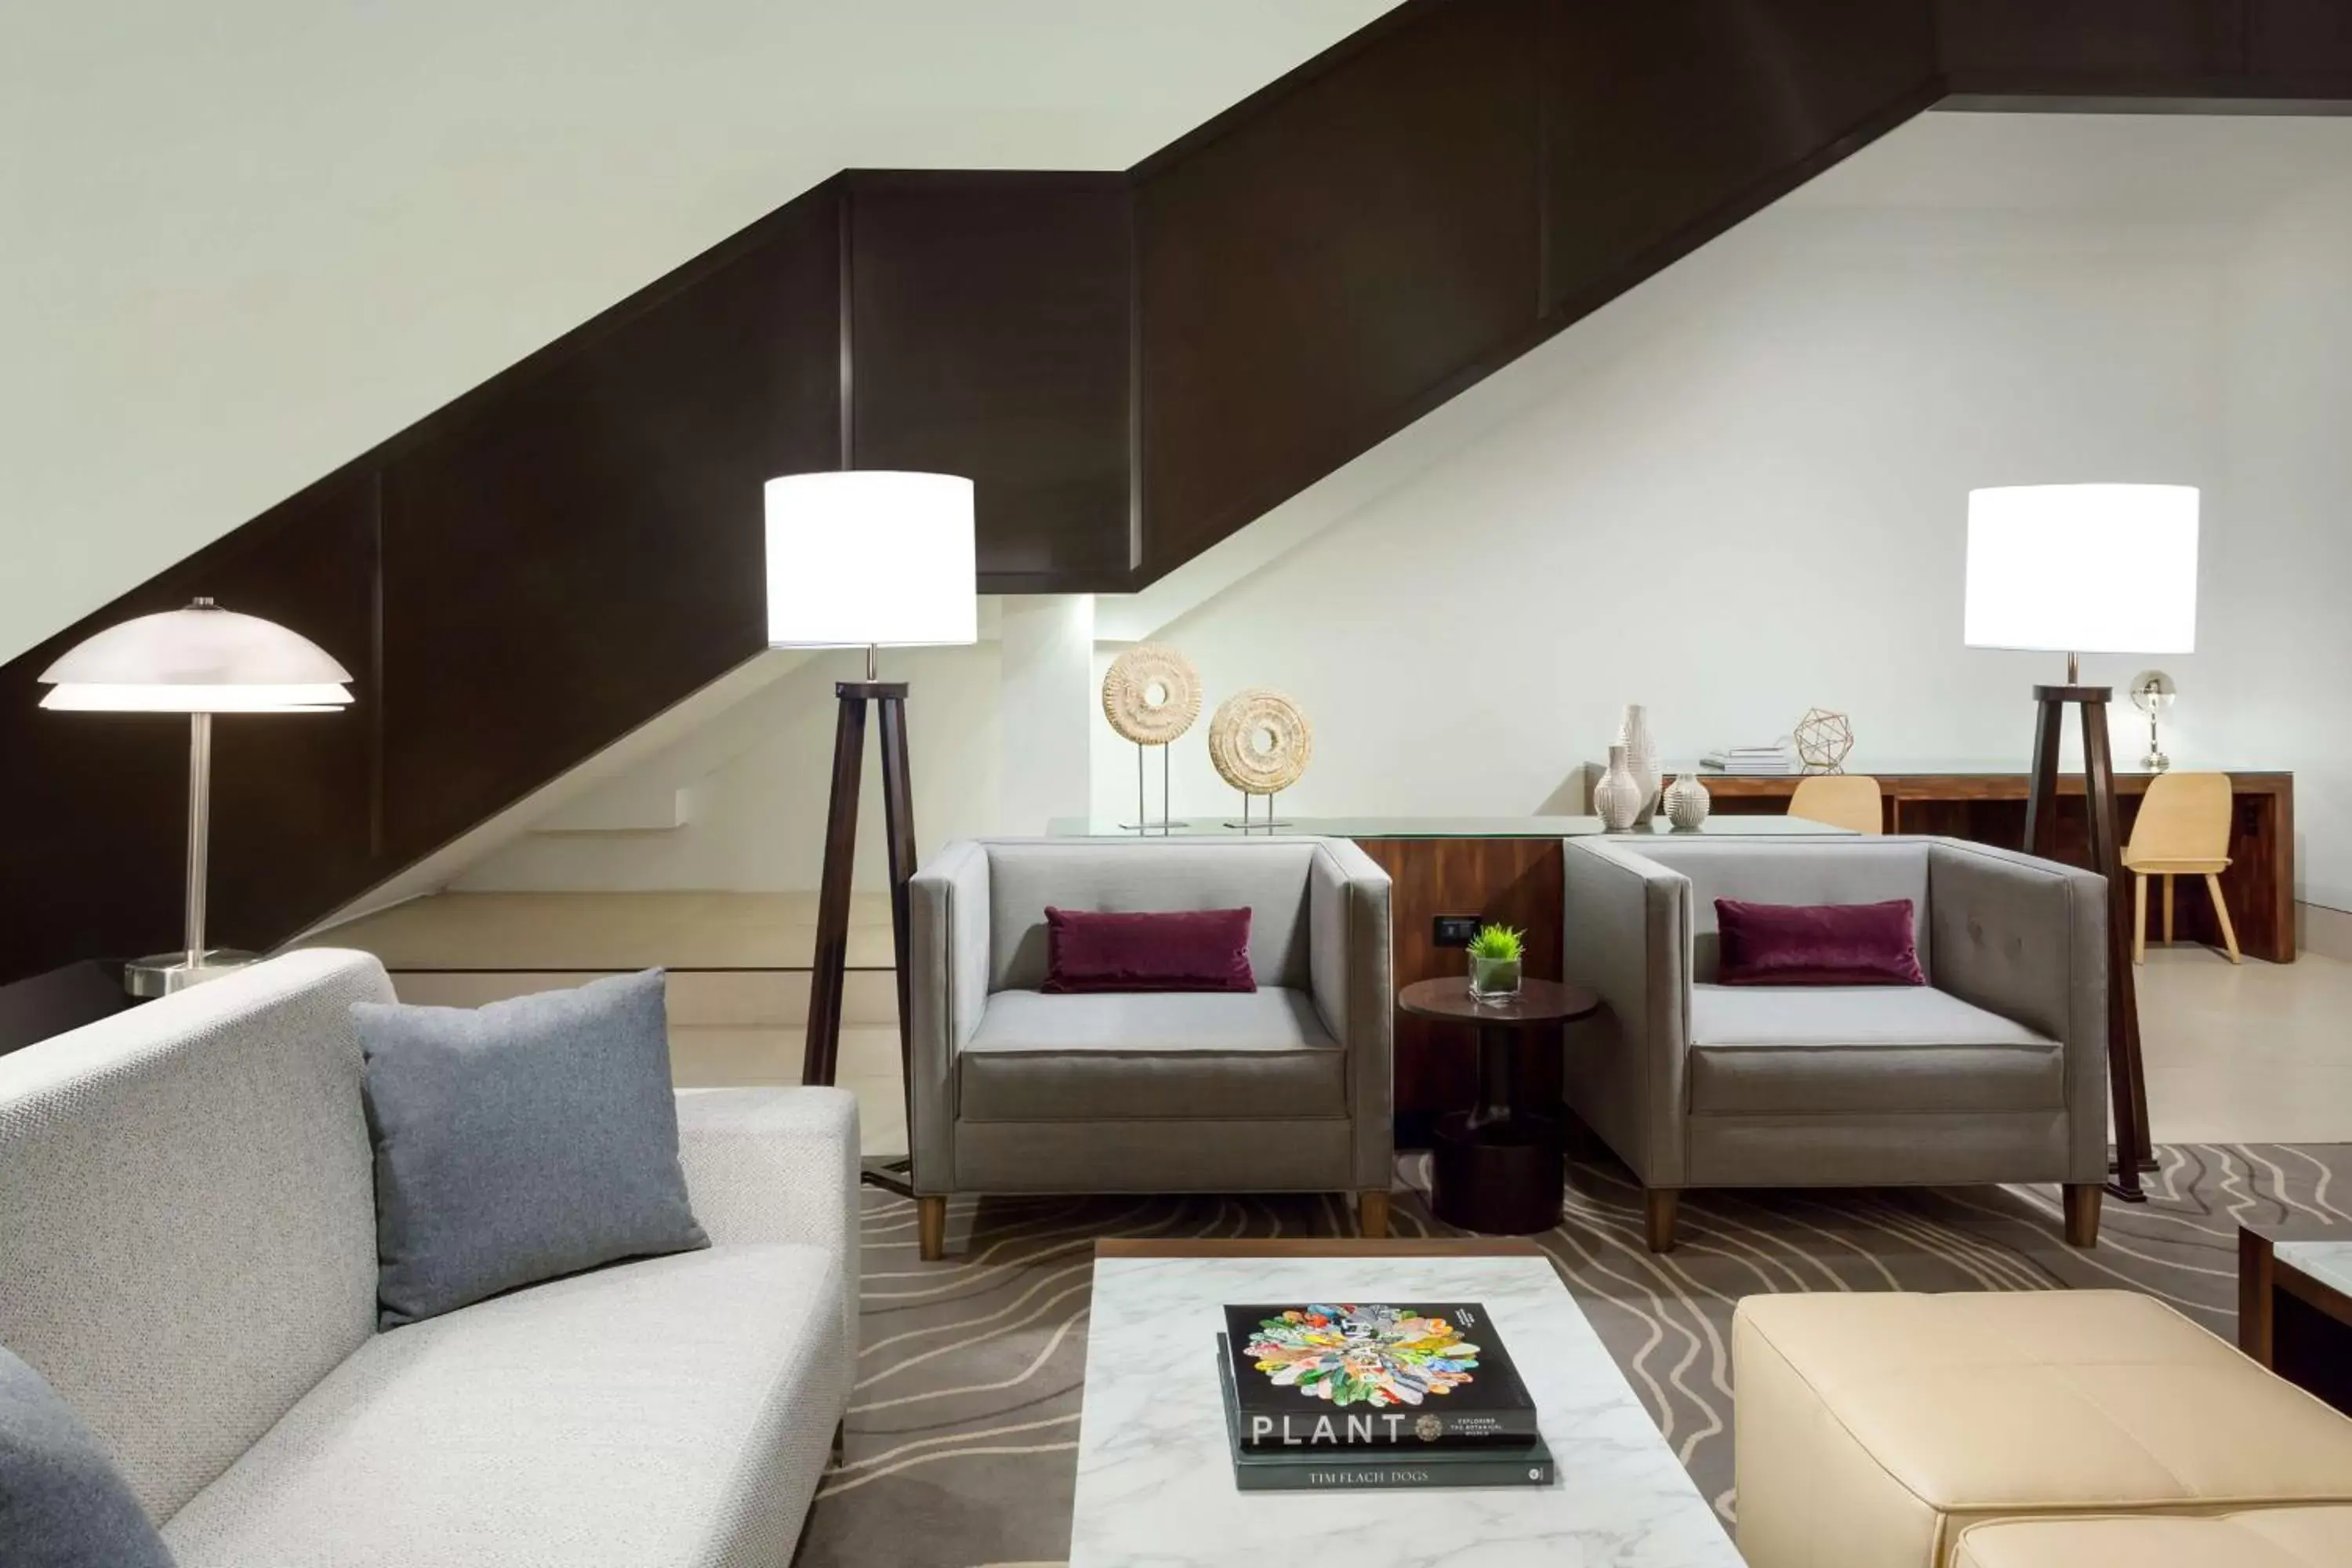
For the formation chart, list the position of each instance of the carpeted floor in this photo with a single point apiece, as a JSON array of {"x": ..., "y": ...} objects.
[{"x": 963, "y": 1430}]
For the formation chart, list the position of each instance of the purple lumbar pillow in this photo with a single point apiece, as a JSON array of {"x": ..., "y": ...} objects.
[
  {"x": 1177, "y": 950},
  {"x": 1816, "y": 944}
]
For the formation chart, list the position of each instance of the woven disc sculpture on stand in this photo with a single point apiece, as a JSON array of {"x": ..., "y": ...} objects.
[
  {"x": 1151, "y": 695},
  {"x": 1260, "y": 742},
  {"x": 1824, "y": 739}
]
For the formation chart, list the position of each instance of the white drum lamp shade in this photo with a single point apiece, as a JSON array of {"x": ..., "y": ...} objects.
[
  {"x": 201, "y": 659},
  {"x": 2083, "y": 568},
  {"x": 871, "y": 558}
]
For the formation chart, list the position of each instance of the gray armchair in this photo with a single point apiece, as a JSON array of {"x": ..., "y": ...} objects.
[
  {"x": 1994, "y": 1071},
  {"x": 1285, "y": 1089}
]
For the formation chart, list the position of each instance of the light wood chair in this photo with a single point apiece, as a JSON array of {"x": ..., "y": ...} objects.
[
  {"x": 2183, "y": 830},
  {"x": 1842, "y": 800}
]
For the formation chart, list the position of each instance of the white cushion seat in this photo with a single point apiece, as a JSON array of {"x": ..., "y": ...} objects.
[
  {"x": 1774, "y": 1049},
  {"x": 651, "y": 1412},
  {"x": 1037, "y": 1057}
]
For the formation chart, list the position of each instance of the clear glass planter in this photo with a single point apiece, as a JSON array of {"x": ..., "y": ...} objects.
[{"x": 1494, "y": 977}]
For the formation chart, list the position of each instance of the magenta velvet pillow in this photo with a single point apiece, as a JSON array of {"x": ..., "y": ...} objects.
[
  {"x": 1175, "y": 949},
  {"x": 1815, "y": 944}
]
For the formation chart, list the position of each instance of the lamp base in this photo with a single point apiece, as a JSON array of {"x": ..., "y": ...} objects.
[{"x": 164, "y": 972}]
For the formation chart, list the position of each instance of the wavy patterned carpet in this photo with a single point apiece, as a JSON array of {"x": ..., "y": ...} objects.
[{"x": 964, "y": 1427}]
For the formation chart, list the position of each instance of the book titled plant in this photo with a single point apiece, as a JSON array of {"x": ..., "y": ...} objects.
[{"x": 1370, "y": 1375}]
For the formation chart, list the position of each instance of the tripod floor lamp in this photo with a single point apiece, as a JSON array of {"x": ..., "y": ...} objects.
[
  {"x": 2078, "y": 569},
  {"x": 867, "y": 559},
  {"x": 198, "y": 661}
]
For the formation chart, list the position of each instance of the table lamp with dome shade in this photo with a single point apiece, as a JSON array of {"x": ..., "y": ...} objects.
[{"x": 199, "y": 661}]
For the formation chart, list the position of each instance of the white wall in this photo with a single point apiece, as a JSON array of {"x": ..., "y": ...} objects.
[
  {"x": 1740, "y": 490},
  {"x": 1741, "y": 494},
  {"x": 241, "y": 242}
]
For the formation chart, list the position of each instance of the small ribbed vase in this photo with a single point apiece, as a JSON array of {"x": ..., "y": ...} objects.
[
  {"x": 1687, "y": 802},
  {"x": 1617, "y": 799},
  {"x": 1641, "y": 756}
]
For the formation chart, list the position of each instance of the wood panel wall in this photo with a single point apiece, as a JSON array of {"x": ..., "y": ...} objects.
[{"x": 1131, "y": 365}]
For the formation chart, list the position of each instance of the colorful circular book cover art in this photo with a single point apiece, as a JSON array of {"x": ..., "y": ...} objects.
[{"x": 1363, "y": 1355}]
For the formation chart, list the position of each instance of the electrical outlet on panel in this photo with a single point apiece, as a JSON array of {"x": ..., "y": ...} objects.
[{"x": 1457, "y": 931}]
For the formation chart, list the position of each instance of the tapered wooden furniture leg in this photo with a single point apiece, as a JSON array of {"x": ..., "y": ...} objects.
[
  {"x": 931, "y": 1228},
  {"x": 1658, "y": 1205},
  {"x": 2140, "y": 919},
  {"x": 2083, "y": 1213},
  {"x": 2168, "y": 909},
  {"x": 829, "y": 966},
  {"x": 2221, "y": 913},
  {"x": 1373, "y": 1214}
]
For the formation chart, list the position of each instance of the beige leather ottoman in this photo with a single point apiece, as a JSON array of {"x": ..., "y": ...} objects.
[
  {"x": 1871, "y": 1429},
  {"x": 2265, "y": 1538}
]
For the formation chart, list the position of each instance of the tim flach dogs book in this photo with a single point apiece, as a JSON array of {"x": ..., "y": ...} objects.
[{"x": 1368, "y": 1376}]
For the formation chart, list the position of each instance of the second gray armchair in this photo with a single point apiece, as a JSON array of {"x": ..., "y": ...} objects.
[
  {"x": 1993, "y": 1072},
  {"x": 1018, "y": 1091}
]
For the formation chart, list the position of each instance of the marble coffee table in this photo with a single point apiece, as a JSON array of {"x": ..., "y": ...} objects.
[{"x": 1155, "y": 1478}]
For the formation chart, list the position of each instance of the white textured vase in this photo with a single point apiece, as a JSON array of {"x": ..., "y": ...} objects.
[
  {"x": 1617, "y": 799},
  {"x": 1687, "y": 802},
  {"x": 1641, "y": 756}
]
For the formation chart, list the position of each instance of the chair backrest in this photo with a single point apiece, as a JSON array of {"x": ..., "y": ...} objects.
[
  {"x": 2183, "y": 817},
  {"x": 1269, "y": 876},
  {"x": 1841, "y": 800},
  {"x": 187, "y": 1213},
  {"x": 1790, "y": 871}
]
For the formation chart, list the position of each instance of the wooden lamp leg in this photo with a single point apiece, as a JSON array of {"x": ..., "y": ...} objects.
[
  {"x": 821, "y": 1058},
  {"x": 829, "y": 966},
  {"x": 2125, "y": 1075}
]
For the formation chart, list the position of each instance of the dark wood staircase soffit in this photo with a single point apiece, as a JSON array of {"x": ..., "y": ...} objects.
[{"x": 1131, "y": 365}]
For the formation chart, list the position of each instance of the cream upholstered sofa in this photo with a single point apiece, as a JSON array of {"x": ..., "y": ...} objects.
[
  {"x": 1283, "y": 1089},
  {"x": 188, "y": 1255},
  {"x": 2023, "y": 1429},
  {"x": 1995, "y": 1070}
]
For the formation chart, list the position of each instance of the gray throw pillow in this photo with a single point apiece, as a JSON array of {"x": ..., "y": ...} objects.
[
  {"x": 521, "y": 1140},
  {"x": 62, "y": 1503}
]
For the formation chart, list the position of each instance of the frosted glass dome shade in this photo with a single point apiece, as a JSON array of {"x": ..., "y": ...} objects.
[
  {"x": 2083, "y": 568},
  {"x": 871, "y": 557},
  {"x": 201, "y": 659}
]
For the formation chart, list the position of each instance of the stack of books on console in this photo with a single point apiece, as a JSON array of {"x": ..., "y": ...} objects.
[
  {"x": 1772, "y": 759},
  {"x": 1334, "y": 1396}
]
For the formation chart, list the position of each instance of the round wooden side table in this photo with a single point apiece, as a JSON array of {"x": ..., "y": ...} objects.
[{"x": 1497, "y": 1167}]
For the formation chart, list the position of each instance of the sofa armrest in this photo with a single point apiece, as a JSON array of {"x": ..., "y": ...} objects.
[
  {"x": 946, "y": 989},
  {"x": 776, "y": 1165},
  {"x": 2027, "y": 939},
  {"x": 1628, "y": 934},
  {"x": 1349, "y": 961}
]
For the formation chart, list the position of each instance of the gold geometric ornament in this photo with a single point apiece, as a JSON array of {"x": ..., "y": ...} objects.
[
  {"x": 1260, "y": 741},
  {"x": 1152, "y": 694},
  {"x": 1824, "y": 739}
]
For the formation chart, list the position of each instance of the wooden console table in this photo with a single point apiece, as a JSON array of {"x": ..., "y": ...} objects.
[{"x": 1986, "y": 805}]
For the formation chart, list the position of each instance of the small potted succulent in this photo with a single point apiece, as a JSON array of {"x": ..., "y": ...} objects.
[{"x": 1495, "y": 955}]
